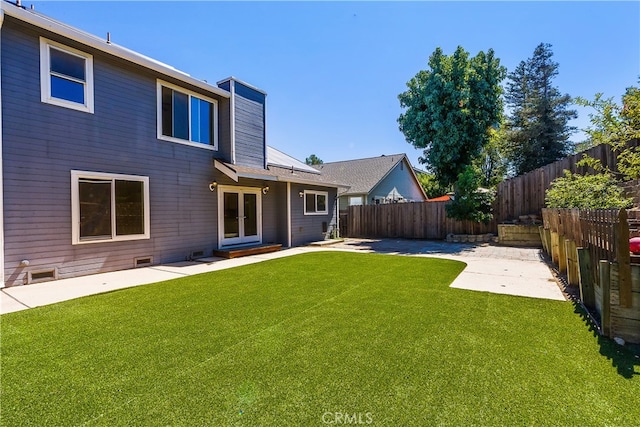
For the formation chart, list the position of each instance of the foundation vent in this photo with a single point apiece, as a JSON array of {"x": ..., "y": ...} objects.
[
  {"x": 143, "y": 261},
  {"x": 42, "y": 275}
]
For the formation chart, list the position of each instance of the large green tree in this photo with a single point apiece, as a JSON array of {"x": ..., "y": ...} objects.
[
  {"x": 450, "y": 109},
  {"x": 538, "y": 123},
  {"x": 617, "y": 125}
]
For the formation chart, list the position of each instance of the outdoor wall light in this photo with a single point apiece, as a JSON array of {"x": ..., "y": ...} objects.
[
  {"x": 213, "y": 186},
  {"x": 301, "y": 194},
  {"x": 265, "y": 189}
]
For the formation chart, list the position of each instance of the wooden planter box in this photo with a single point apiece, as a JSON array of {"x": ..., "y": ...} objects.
[{"x": 519, "y": 235}]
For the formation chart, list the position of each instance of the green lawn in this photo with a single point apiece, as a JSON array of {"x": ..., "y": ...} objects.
[{"x": 306, "y": 339}]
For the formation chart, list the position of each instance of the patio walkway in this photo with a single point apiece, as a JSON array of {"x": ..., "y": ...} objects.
[{"x": 490, "y": 268}]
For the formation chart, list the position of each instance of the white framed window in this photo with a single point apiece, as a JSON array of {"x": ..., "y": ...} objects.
[
  {"x": 66, "y": 76},
  {"x": 315, "y": 202},
  {"x": 109, "y": 207},
  {"x": 187, "y": 117}
]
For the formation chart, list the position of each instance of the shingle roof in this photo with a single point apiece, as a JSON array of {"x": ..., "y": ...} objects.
[{"x": 361, "y": 174}]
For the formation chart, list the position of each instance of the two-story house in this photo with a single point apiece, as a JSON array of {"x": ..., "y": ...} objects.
[{"x": 112, "y": 160}]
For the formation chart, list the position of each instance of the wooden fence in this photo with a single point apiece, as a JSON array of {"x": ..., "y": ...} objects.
[
  {"x": 592, "y": 248},
  {"x": 423, "y": 220},
  {"x": 525, "y": 194}
]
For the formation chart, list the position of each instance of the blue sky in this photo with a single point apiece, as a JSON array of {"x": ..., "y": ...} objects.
[{"x": 333, "y": 70}]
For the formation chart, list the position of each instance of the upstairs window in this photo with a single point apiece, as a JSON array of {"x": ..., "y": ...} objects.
[
  {"x": 66, "y": 76},
  {"x": 315, "y": 202},
  {"x": 186, "y": 117}
]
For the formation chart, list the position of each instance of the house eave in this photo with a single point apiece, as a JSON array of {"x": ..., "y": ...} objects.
[{"x": 41, "y": 21}]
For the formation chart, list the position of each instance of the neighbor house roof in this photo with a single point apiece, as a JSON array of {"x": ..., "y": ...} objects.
[{"x": 362, "y": 174}]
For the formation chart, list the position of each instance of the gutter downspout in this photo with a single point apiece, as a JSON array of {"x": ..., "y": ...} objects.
[
  {"x": 1, "y": 168},
  {"x": 337, "y": 233},
  {"x": 288, "y": 214}
]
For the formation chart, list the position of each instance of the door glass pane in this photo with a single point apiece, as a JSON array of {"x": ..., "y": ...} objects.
[
  {"x": 231, "y": 224},
  {"x": 250, "y": 215},
  {"x": 180, "y": 115},
  {"x": 95, "y": 208},
  {"x": 129, "y": 207}
]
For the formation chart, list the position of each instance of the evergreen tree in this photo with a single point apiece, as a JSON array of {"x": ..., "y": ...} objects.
[
  {"x": 538, "y": 129},
  {"x": 313, "y": 160}
]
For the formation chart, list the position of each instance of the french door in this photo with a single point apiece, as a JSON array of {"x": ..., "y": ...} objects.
[{"x": 239, "y": 215}]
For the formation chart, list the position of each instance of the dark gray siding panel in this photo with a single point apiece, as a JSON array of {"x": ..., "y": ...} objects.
[
  {"x": 226, "y": 85},
  {"x": 308, "y": 228},
  {"x": 249, "y": 93},
  {"x": 42, "y": 143},
  {"x": 249, "y": 132},
  {"x": 224, "y": 130}
]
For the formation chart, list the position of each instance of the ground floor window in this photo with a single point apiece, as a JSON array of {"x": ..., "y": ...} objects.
[
  {"x": 315, "y": 202},
  {"x": 109, "y": 207}
]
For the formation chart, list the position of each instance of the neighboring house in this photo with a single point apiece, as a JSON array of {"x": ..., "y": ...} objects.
[
  {"x": 112, "y": 160},
  {"x": 384, "y": 179}
]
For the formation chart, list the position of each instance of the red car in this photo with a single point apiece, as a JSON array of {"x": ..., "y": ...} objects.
[{"x": 634, "y": 245}]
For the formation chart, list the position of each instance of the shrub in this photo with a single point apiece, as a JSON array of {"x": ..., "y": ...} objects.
[
  {"x": 470, "y": 202},
  {"x": 599, "y": 191}
]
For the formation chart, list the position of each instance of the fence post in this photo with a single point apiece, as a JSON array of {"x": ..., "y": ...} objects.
[
  {"x": 572, "y": 262},
  {"x": 587, "y": 291},
  {"x": 624, "y": 259},
  {"x": 605, "y": 282},
  {"x": 562, "y": 254}
]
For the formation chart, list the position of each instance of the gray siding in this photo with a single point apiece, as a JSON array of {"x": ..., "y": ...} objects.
[
  {"x": 308, "y": 228},
  {"x": 402, "y": 179},
  {"x": 224, "y": 131},
  {"x": 42, "y": 143},
  {"x": 249, "y": 127},
  {"x": 274, "y": 208}
]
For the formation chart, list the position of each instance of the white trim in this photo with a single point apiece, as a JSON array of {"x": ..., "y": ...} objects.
[
  {"x": 1, "y": 172},
  {"x": 288, "y": 214},
  {"x": 35, "y": 18},
  {"x": 316, "y": 193},
  {"x": 45, "y": 76},
  {"x": 232, "y": 115},
  {"x": 190, "y": 94},
  {"x": 75, "y": 206},
  {"x": 243, "y": 83},
  {"x": 225, "y": 170},
  {"x": 241, "y": 239}
]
